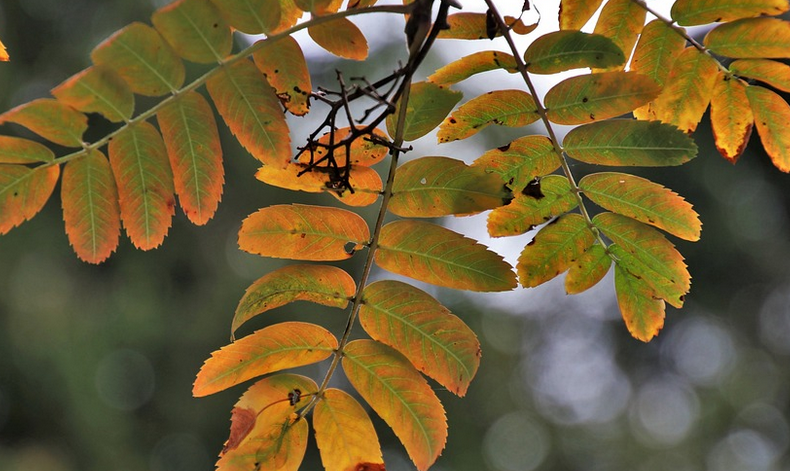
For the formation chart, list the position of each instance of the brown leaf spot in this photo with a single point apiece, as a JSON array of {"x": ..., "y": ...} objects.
[
  {"x": 241, "y": 423},
  {"x": 504, "y": 148}
]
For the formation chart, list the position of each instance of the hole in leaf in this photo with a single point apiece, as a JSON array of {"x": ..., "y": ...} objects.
[{"x": 350, "y": 247}]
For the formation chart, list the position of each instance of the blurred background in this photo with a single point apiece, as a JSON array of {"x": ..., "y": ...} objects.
[{"x": 97, "y": 362}]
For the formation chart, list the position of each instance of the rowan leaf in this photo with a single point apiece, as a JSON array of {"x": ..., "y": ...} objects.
[
  {"x": 586, "y": 271},
  {"x": 145, "y": 184},
  {"x": 195, "y": 153},
  {"x": 772, "y": 119},
  {"x": 252, "y": 16},
  {"x": 50, "y": 119},
  {"x": 439, "y": 256},
  {"x": 365, "y": 181},
  {"x": 688, "y": 91},
  {"x": 559, "y": 51},
  {"x": 283, "y": 64},
  {"x": 23, "y": 192},
  {"x": 365, "y": 150},
  {"x": 731, "y": 117},
  {"x": 435, "y": 341},
  {"x": 320, "y": 284},
  {"x": 142, "y": 58},
  {"x": 441, "y": 186},
  {"x": 344, "y": 434},
  {"x": 252, "y": 111},
  {"x": 3, "y": 53},
  {"x": 302, "y": 232},
  {"x": 701, "y": 12},
  {"x": 400, "y": 396},
  {"x": 628, "y": 142},
  {"x": 342, "y": 38},
  {"x": 90, "y": 207},
  {"x": 643, "y": 314},
  {"x": 738, "y": 40},
  {"x": 774, "y": 73},
  {"x": 314, "y": 6},
  {"x": 263, "y": 431},
  {"x": 97, "y": 90},
  {"x": 574, "y": 14},
  {"x": 655, "y": 259},
  {"x": 621, "y": 21},
  {"x": 544, "y": 199},
  {"x": 273, "y": 348},
  {"x": 514, "y": 108},
  {"x": 15, "y": 150},
  {"x": 553, "y": 250},
  {"x": 521, "y": 161},
  {"x": 473, "y": 26},
  {"x": 656, "y": 51},
  {"x": 644, "y": 201},
  {"x": 195, "y": 29},
  {"x": 473, "y": 64},
  {"x": 594, "y": 97},
  {"x": 428, "y": 105}
]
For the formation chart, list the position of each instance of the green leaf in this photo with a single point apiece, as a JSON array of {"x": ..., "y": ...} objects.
[
  {"x": 553, "y": 250},
  {"x": 436, "y": 342},
  {"x": 141, "y": 57},
  {"x": 621, "y": 21},
  {"x": 656, "y": 51},
  {"x": 586, "y": 271},
  {"x": 772, "y": 119},
  {"x": 574, "y": 14},
  {"x": 739, "y": 41},
  {"x": 544, "y": 199},
  {"x": 594, "y": 97},
  {"x": 145, "y": 184},
  {"x": 97, "y": 90},
  {"x": 631, "y": 143},
  {"x": 644, "y": 201},
  {"x": 565, "y": 50},
  {"x": 90, "y": 207},
  {"x": 436, "y": 255},
  {"x": 274, "y": 348},
  {"x": 731, "y": 118},
  {"x": 320, "y": 284},
  {"x": 195, "y": 30},
  {"x": 282, "y": 63},
  {"x": 50, "y": 119},
  {"x": 429, "y": 104},
  {"x": 251, "y": 16},
  {"x": 15, "y": 150},
  {"x": 643, "y": 314},
  {"x": 440, "y": 186},
  {"x": 514, "y": 108},
  {"x": 521, "y": 161},
  {"x": 195, "y": 153},
  {"x": 701, "y": 12},
  {"x": 302, "y": 232},
  {"x": 400, "y": 396},
  {"x": 342, "y": 38},
  {"x": 252, "y": 111},
  {"x": 23, "y": 192},
  {"x": 473, "y": 64},
  {"x": 774, "y": 73}
]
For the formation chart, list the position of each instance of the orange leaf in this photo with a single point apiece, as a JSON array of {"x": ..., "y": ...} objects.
[
  {"x": 51, "y": 120},
  {"x": 274, "y": 348},
  {"x": 345, "y": 435},
  {"x": 97, "y": 90},
  {"x": 282, "y": 63},
  {"x": 774, "y": 73},
  {"x": 3, "y": 53},
  {"x": 730, "y": 117},
  {"x": 772, "y": 118},
  {"x": 700, "y": 12},
  {"x": 514, "y": 108},
  {"x": 252, "y": 111},
  {"x": 302, "y": 232},
  {"x": 621, "y": 21},
  {"x": 545, "y": 198},
  {"x": 195, "y": 30},
  {"x": 319, "y": 284},
  {"x": 365, "y": 181},
  {"x": 643, "y": 314},
  {"x": 342, "y": 38},
  {"x": 478, "y": 62},
  {"x": 574, "y": 14},
  {"x": 365, "y": 150},
  {"x": 409, "y": 320},
  {"x": 195, "y": 153},
  {"x": 23, "y": 192},
  {"x": 90, "y": 207},
  {"x": 145, "y": 184},
  {"x": 15, "y": 150},
  {"x": 521, "y": 161},
  {"x": 141, "y": 57},
  {"x": 738, "y": 40},
  {"x": 400, "y": 396},
  {"x": 586, "y": 271}
]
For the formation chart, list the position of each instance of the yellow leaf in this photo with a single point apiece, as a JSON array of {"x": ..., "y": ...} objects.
[
  {"x": 540, "y": 201},
  {"x": 574, "y": 14},
  {"x": 514, "y": 108},
  {"x": 739, "y": 41},
  {"x": 621, "y": 21},
  {"x": 587, "y": 270},
  {"x": 774, "y": 73},
  {"x": 520, "y": 161},
  {"x": 772, "y": 118},
  {"x": 342, "y": 38},
  {"x": 656, "y": 51},
  {"x": 282, "y": 63},
  {"x": 700, "y": 12},
  {"x": 365, "y": 181},
  {"x": 3, "y": 53},
  {"x": 731, "y": 117},
  {"x": 643, "y": 314},
  {"x": 478, "y": 62}
]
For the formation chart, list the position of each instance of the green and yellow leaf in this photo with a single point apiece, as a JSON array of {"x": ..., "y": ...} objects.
[
  {"x": 97, "y": 90},
  {"x": 435, "y": 341},
  {"x": 342, "y": 38},
  {"x": 302, "y": 232},
  {"x": 586, "y": 271},
  {"x": 574, "y": 14},
  {"x": 282, "y": 63},
  {"x": 701, "y": 12},
  {"x": 252, "y": 16},
  {"x": 565, "y": 50},
  {"x": 195, "y": 29},
  {"x": 429, "y": 103},
  {"x": 15, "y": 150},
  {"x": 90, "y": 207},
  {"x": 621, "y": 21},
  {"x": 142, "y": 58},
  {"x": 751, "y": 38},
  {"x": 642, "y": 313},
  {"x": 50, "y": 119},
  {"x": 644, "y": 201},
  {"x": 320, "y": 284},
  {"x": 542, "y": 200},
  {"x": 274, "y": 348},
  {"x": 774, "y": 73},
  {"x": 23, "y": 192},
  {"x": 521, "y": 161},
  {"x": 514, "y": 108},
  {"x": 656, "y": 51},
  {"x": 731, "y": 117},
  {"x": 473, "y": 26},
  {"x": 473, "y": 64},
  {"x": 315, "y": 6},
  {"x": 400, "y": 396},
  {"x": 772, "y": 119}
]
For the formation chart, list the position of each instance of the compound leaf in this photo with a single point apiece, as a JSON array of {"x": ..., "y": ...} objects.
[
  {"x": 23, "y": 192},
  {"x": 701, "y": 12},
  {"x": 772, "y": 118},
  {"x": 473, "y": 64},
  {"x": 642, "y": 313},
  {"x": 436, "y": 342},
  {"x": 429, "y": 103},
  {"x": 738, "y": 40},
  {"x": 436, "y": 255},
  {"x": 400, "y": 396},
  {"x": 545, "y": 198},
  {"x": 512, "y": 108},
  {"x": 283, "y": 64},
  {"x": 342, "y": 38},
  {"x": 774, "y": 73},
  {"x": 565, "y": 50},
  {"x": 731, "y": 117},
  {"x": 50, "y": 119},
  {"x": 574, "y": 14},
  {"x": 521, "y": 161},
  {"x": 586, "y": 271},
  {"x": 274, "y": 348},
  {"x": 97, "y": 90},
  {"x": 15, "y": 150}
]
